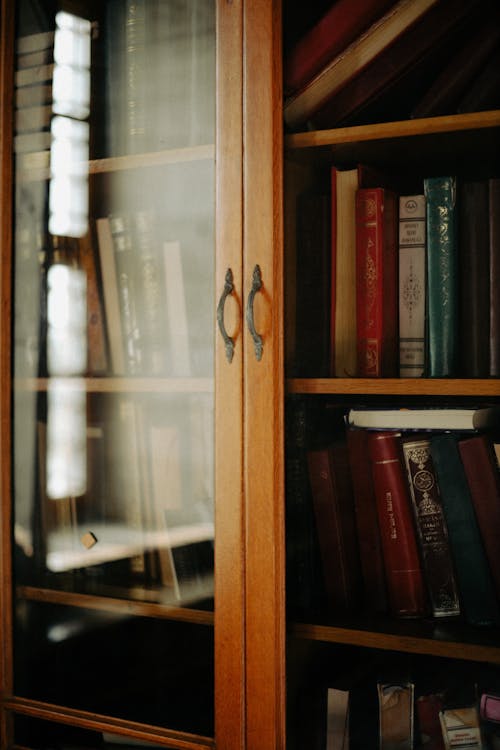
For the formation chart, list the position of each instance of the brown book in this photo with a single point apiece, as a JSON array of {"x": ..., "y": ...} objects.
[
  {"x": 333, "y": 505},
  {"x": 431, "y": 528},
  {"x": 483, "y": 479},
  {"x": 96, "y": 331},
  {"x": 494, "y": 265},
  {"x": 111, "y": 296},
  {"x": 396, "y": 708},
  {"x": 405, "y": 582},
  {"x": 370, "y": 546}
]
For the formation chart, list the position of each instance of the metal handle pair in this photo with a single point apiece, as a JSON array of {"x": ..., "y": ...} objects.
[{"x": 227, "y": 290}]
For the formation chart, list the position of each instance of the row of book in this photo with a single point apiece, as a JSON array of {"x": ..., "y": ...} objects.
[
  {"x": 393, "y": 59},
  {"x": 391, "y": 283},
  {"x": 406, "y": 521}
]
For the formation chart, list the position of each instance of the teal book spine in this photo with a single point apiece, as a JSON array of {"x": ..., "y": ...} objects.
[
  {"x": 442, "y": 276},
  {"x": 475, "y": 583}
]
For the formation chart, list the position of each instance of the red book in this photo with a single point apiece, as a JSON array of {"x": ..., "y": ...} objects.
[
  {"x": 376, "y": 282},
  {"x": 427, "y": 710},
  {"x": 370, "y": 546},
  {"x": 405, "y": 582},
  {"x": 337, "y": 28},
  {"x": 333, "y": 505},
  {"x": 483, "y": 478}
]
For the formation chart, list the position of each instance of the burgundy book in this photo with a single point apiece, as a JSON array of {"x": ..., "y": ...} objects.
[
  {"x": 403, "y": 569},
  {"x": 483, "y": 479},
  {"x": 337, "y": 28},
  {"x": 474, "y": 279},
  {"x": 333, "y": 505},
  {"x": 376, "y": 283},
  {"x": 370, "y": 545},
  {"x": 494, "y": 263},
  {"x": 429, "y": 725},
  {"x": 392, "y": 64}
]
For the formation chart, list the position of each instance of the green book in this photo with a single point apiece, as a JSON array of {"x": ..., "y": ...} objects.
[
  {"x": 474, "y": 578},
  {"x": 442, "y": 276}
]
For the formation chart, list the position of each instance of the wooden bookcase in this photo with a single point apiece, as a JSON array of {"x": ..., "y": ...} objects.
[{"x": 264, "y": 662}]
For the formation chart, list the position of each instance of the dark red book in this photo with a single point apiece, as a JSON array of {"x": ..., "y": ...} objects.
[
  {"x": 494, "y": 264},
  {"x": 337, "y": 28},
  {"x": 483, "y": 478},
  {"x": 474, "y": 279},
  {"x": 376, "y": 282},
  {"x": 406, "y": 53},
  {"x": 429, "y": 725},
  {"x": 370, "y": 545},
  {"x": 333, "y": 504},
  {"x": 405, "y": 582}
]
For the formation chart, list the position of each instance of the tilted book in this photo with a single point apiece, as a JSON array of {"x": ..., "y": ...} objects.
[
  {"x": 477, "y": 591},
  {"x": 376, "y": 282},
  {"x": 405, "y": 582},
  {"x": 442, "y": 275},
  {"x": 412, "y": 285},
  {"x": 483, "y": 478},
  {"x": 431, "y": 528}
]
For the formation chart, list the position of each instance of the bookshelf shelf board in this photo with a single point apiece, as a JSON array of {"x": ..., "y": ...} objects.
[
  {"x": 434, "y": 644},
  {"x": 395, "y": 386},
  {"x": 101, "y": 723},
  {"x": 112, "y": 604},
  {"x": 120, "y": 385}
]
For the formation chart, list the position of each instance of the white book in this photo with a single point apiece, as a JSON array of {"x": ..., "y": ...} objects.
[
  {"x": 412, "y": 286},
  {"x": 426, "y": 419},
  {"x": 176, "y": 310}
]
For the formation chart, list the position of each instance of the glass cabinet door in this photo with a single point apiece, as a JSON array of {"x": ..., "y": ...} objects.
[{"x": 113, "y": 365}]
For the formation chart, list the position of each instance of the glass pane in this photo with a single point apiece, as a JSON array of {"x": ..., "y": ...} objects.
[{"x": 113, "y": 358}]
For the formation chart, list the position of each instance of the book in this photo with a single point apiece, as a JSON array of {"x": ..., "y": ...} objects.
[
  {"x": 483, "y": 92},
  {"x": 376, "y": 282},
  {"x": 399, "y": 70},
  {"x": 427, "y": 708},
  {"x": 33, "y": 118},
  {"x": 483, "y": 478},
  {"x": 343, "y": 351},
  {"x": 97, "y": 351},
  {"x": 110, "y": 295},
  {"x": 178, "y": 324},
  {"x": 333, "y": 505},
  {"x": 494, "y": 267},
  {"x": 313, "y": 284},
  {"x": 461, "y": 728},
  {"x": 474, "y": 278},
  {"x": 396, "y": 709},
  {"x": 337, "y": 721},
  {"x": 477, "y": 592},
  {"x": 343, "y": 22},
  {"x": 442, "y": 275},
  {"x": 404, "y": 576},
  {"x": 35, "y": 75},
  {"x": 33, "y": 42},
  {"x": 33, "y": 96},
  {"x": 430, "y": 523},
  {"x": 299, "y": 107},
  {"x": 412, "y": 285},
  {"x": 431, "y": 418},
  {"x": 367, "y": 526}
]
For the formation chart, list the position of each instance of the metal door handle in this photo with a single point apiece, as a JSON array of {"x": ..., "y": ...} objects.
[
  {"x": 227, "y": 290},
  {"x": 256, "y": 286}
]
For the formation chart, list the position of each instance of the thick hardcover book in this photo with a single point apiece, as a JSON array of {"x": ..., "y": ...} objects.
[
  {"x": 442, "y": 275},
  {"x": 494, "y": 264},
  {"x": 477, "y": 591},
  {"x": 333, "y": 504},
  {"x": 427, "y": 708},
  {"x": 474, "y": 279},
  {"x": 313, "y": 279},
  {"x": 465, "y": 419},
  {"x": 343, "y": 22},
  {"x": 337, "y": 72},
  {"x": 412, "y": 285},
  {"x": 370, "y": 545},
  {"x": 396, "y": 710},
  {"x": 405, "y": 582},
  {"x": 483, "y": 477},
  {"x": 376, "y": 282},
  {"x": 96, "y": 330},
  {"x": 431, "y": 528},
  {"x": 344, "y": 184}
]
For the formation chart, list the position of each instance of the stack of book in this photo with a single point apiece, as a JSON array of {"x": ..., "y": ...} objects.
[
  {"x": 407, "y": 508},
  {"x": 403, "y": 280}
]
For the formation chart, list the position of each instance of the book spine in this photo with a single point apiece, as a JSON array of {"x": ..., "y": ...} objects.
[
  {"x": 474, "y": 274},
  {"x": 431, "y": 528},
  {"x": 442, "y": 282},
  {"x": 483, "y": 479},
  {"x": 334, "y": 512},
  {"x": 368, "y": 531},
  {"x": 403, "y": 569},
  {"x": 471, "y": 566},
  {"x": 494, "y": 263},
  {"x": 376, "y": 282},
  {"x": 136, "y": 75},
  {"x": 412, "y": 286}
]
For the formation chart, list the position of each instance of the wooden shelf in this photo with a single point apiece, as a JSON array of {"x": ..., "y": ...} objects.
[
  {"x": 119, "y": 385},
  {"x": 396, "y": 386}
]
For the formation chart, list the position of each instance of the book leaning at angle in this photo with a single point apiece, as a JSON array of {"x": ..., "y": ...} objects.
[{"x": 464, "y": 419}]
